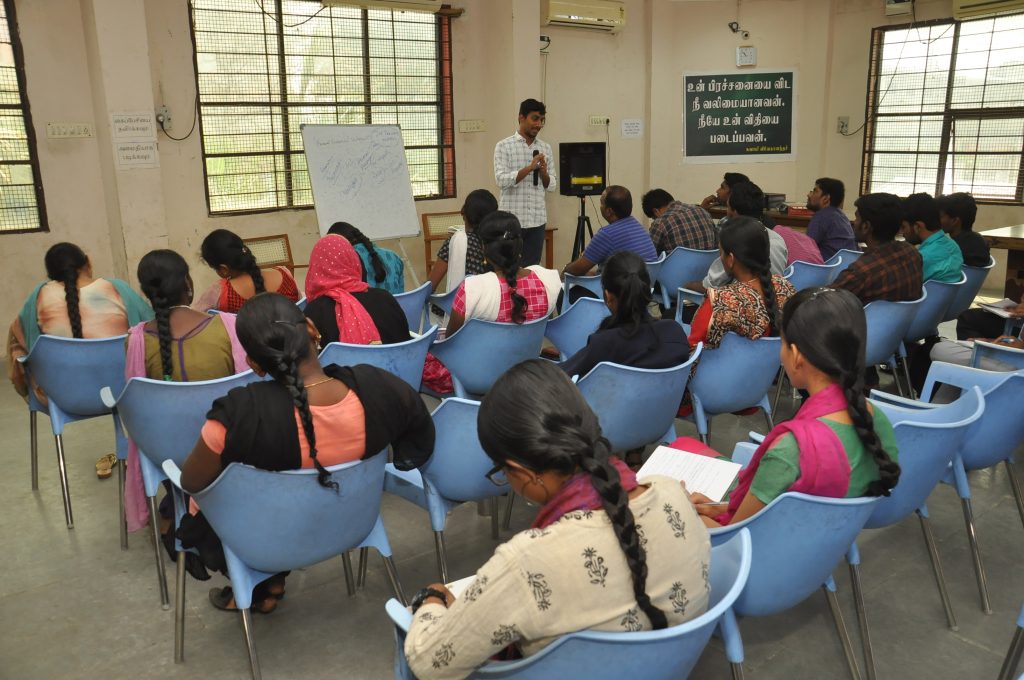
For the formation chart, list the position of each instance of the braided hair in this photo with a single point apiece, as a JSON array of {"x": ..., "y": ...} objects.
[
  {"x": 746, "y": 239},
  {"x": 537, "y": 418},
  {"x": 223, "y": 247},
  {"x": 273, "y": 332},
  {"x": 829, "y": 327},
  {"x": 63, "y": 262},
  {"x": 625, "y": 276},
  {"x": 356, "y": 238},
  {"x": 501, "y": 235},
  {"x": 163, "y": 277}
]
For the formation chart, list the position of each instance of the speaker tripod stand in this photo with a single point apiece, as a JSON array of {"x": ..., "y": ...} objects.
[{"x": 583, "y": 229}]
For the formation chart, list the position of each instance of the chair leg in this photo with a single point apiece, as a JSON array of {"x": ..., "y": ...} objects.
[
  {"x": 703, "y": 438},
  {"x": 158, "y": 548},
  {"x": 906, "y": 376},
  {"x": 940, "y": 577},
  {"x": 363, "y": 559},
  {"x": 179, "y": 610},
  {"x": 1012, "y": 656},
  {"x": 781, "y": 380},
  {"x": 769, "y": 420},
  {"x": 33, "y": 435},
  {"x": 862, "y": 620},
  {"x": 495, "y": 520},
  {"x": 737, "y": 671},
  {"x": 65, "y": 491},
  {"x": 250, "y": 645},
  {"x": 396, "y": 585},
  {"x": 122, "y": 518},
  {"x": 442, "y": 556},
  {"x": 979, "y": 570},
  {"x": 844, "y": 635},
  {"x": 350, "y": 582},
  {"x": 508, "y": 509},
  {"x": 1015, "y": 485}
]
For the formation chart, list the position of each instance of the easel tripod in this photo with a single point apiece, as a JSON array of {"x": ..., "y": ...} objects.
[{"x": 582, "y": 223}]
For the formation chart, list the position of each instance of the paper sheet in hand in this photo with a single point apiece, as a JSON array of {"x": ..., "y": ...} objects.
[
  {"x": 459, "y": 587},
  {"x": 1001, "y": 308},
  {"x": 709, "y": 476}
]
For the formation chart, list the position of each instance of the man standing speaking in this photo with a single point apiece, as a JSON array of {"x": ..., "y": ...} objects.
[{"x": 521, "y": 172}]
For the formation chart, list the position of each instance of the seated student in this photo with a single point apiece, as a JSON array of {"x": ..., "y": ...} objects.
[
  {"x": 678, "y": 225},
  {"x": 749, "y": 305},
  {"x": 382, "y": 268},
  {"x": 623, "y": 232},
  {"x": 306, "y": 417},
  {"x": 956, "y": 216},
  {"x": 746, "y": 198},
  {"x": 641, "y": 564},
  {"x": 240, "y": 277},
  {"x": 888, "y": 269},
  {"x": 829, "y": 227},
  {"x": 462, "y": 254},
  {"x": 940, "y": 255},
  {"x": 836, "y": 446},
  {"x": 721, "y": 195},
  {"x": 342, "y": 306},
  {"x": 181, "y": 344},
  {"x": 630, "y": 336},
  {"x": 72, "y": 304}
]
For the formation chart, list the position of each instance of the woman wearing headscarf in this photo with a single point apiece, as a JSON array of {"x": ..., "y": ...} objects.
[{"x": 342, "y": 306}]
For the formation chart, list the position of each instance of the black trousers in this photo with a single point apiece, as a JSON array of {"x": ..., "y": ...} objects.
[{"x": 977, "y": 323}]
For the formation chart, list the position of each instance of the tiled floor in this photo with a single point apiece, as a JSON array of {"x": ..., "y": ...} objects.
[{"x": 73, "y": 605}]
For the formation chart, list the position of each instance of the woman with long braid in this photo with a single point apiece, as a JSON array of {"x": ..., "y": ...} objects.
[
  {"x": 606, "y": 552},
  {"x": 382, "y": 268},
  {"x": 72, "y": 304},
  {"x": 836, "y": 445},
  {"x": 306, "y": 417},
  {"x": 240, "y": 276}
]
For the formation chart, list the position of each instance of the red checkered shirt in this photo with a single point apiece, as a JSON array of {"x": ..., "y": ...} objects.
[{"x": 888, "y": 271}]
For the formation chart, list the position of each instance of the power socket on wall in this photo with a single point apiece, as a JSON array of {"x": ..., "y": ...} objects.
[
  {"x": 843, "y": 125},
  {"x": 599, "y": 120}
]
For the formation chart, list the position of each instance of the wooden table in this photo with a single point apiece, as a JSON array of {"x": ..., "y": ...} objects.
[
  {"x": 798, "y": 222},
  {"x": 549, "y": 247},
  {"x": 1012, "y": 239}
]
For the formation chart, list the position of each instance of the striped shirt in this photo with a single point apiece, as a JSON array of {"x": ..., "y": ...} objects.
[
  {"x": 625, "y": 234},
  {"x": 524, "y": 200}
]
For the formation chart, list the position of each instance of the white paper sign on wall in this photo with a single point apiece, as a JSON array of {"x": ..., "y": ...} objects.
[
  {"x": 138, "y": 125},
  {"x": 632, "y": 128},
  {"x": 131, "y": 155}
]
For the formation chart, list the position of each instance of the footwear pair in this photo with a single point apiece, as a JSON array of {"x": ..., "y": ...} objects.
[{"x": 105, "y": 465}]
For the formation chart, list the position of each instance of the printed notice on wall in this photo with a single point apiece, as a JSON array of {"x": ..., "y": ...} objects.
[
  {"x": 132, "y": 155},
  {"x": 744, "y": 116},
  {"x": 139, "y": 125},
  {"x": 632, "y": 128}
]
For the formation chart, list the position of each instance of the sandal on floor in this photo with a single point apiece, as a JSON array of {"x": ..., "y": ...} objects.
[
  {"x": 105, "y": 465},
  {"x": 224, "y": 599}
]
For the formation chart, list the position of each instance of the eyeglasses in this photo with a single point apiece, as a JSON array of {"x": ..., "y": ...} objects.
[{"x": 497, "y": 476}]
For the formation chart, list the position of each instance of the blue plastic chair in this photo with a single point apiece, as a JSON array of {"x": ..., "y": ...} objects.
[
  {"x": 682, "y": 266},
  {"x": 444, "y": 301},
  {"x": 668, "y": 654},
  {"x": 591, "y": 283},
  {"x": 843, "y": 258},
  {"x": 991, "y": 440},
  {"x": 1014, "y": 653},
  {"x": 989, "y": 350},
  {"x": 887, "y": 324},
  {"x": 71, "y": 372},
  {"x": 454, "y": 474},
  {"x": 414, "y": 304},
  {"x": 735, "y": 376},
  {"x": 301, "y": 304},
  {"x": 927, "y": 441},
  {"x": 809, "y": 275},
  {"x": 269, "y": 522},
  {"x": 404, "y": 359},
  {"x": 966, "y": 293},
  {"x": 570, "y": 330},
  {"x": 686, "y": 296},
  {"x": 479, "y": 352},
  {"x": 797, "y": 541},
  {"x": 636, "y": 406},
  {"x": 164, "y": 420},
  {"x": 937, "y": 298},
  {"x": 654, "y": 268}
]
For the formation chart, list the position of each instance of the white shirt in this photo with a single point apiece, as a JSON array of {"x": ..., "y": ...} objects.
[{"x": 524, "y": 200}]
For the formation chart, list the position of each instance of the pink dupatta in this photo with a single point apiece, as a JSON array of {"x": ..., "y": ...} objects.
[
  {"x": 579, "y": 494},
  {"x": 336, "y": 271},
  {"x": 824, "y": 466},
  {"x": 136, "y": 509}
]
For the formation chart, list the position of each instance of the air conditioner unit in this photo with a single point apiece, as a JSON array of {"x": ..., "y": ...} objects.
[
  {"x": 895, "y": 8},
  {"x": 596, "y": 15},
  {"x": 412, "y": 5},
  {"x": 969, "y": 9}
]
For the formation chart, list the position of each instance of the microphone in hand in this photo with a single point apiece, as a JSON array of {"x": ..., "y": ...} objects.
[{"x": 536, "y": 172}]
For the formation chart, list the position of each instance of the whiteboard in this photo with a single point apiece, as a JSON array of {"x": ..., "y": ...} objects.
[{"x": 359, "y": 175}]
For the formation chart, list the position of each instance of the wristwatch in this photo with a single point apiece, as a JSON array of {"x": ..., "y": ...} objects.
[{"x": 420, "y": 597}]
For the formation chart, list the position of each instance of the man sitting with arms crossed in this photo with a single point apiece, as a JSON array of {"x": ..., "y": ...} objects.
[
  {"x": 677, "y": 224},
  {"x": 829, "y": 227}
]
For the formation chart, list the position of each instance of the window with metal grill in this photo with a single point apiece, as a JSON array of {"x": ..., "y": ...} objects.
[
  {"x": 21, "y": 190},
  {"x": 945, "y": 110},
  {"x": 266, "y": 67}
]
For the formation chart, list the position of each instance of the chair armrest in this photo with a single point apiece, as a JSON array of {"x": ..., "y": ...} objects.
[
  {"x": 960, "y": 376},
  {"x": 996, "y": 352},
  {"x": 743, "y": 452},
  {"x": 903, "y": 402},
  {"x": 107, "y": 397},
  {"x": 399, "y": 614},
  {"x": 755, "y": 437},
  {"x": 173, "y": 473},
  {"x": 687, "y": 295}
]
